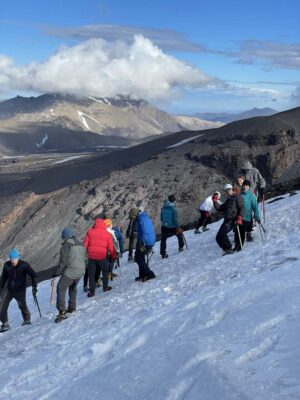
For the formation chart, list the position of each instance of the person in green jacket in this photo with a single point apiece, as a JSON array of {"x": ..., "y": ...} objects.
[
  {"x": 72, "y": 264},
  {"x": 250, "y": 204}
]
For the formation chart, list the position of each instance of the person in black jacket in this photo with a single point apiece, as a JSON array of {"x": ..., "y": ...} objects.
[
  {"x": 131, "y": 232},
  {"x": 233, "y": 209},
  {"x": 14, "y": 273}
]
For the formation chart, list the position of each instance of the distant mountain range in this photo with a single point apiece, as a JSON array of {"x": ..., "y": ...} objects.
[
  {"x": 68, "y": 123},
  {"x": 228, "y": 117}
]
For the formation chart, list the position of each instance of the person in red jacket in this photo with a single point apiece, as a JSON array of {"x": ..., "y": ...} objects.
[{"x": 99, "y": 245}]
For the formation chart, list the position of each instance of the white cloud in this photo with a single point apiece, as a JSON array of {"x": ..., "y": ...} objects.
[{"x": 100, "y": 68}]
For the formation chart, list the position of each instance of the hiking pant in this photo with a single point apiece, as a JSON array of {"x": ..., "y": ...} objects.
[
  {"x": 86, "y": 276},
  {"x": 140, "y": 259},
  {"x": 222, "y": 235},
  {"x": 20, "y": 297},
  {"x": 132, "y": 243},
  {"x": 243, "y": 229},
  {"x": 165, "y": 234},
  {"x": 203, "y": 220},
  {"x": 65, "y": 283},
  {"x": 101, "y": 265}
]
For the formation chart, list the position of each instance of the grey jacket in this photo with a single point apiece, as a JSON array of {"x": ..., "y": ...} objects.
[
  {"x": 254, "y": 176},
  {"x": 73, "y": 259}
]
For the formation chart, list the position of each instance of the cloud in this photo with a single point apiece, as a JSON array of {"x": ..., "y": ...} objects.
[
  {"x": 166, "y": 39},
  {"x": 276, "y": 54},
  {"x": 100, "y": 68},
  {"x": 295, "y": 97}
]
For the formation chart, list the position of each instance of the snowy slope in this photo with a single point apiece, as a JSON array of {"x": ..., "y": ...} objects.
[{"x": 209, "y": 327}]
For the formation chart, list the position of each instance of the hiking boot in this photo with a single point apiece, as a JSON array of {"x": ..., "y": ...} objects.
[
  {"x": 180, "y": 249},
  {"x": 228, "y": 251},
  {"x": 26, "y": 322},
  {"x": 196, "y": 231},
  {"x": 237, "y": 248},
  {"x": 114, "y": 274},
  {"x": 164, "y": 255},
  {"x": 147, "y": 278},
  {"x": 138, "y": 278},
  {"x": 249, "y": 237},
  {"x": 86, "y": 289},
  {"x": 91, "y": 294},
  {"x": 107, "y": 289},
  {"x": 4, "y": 327},
  {"x": 61, "y": 316},
  {"x": 130, "y": 259},
  {"x": 70, "y": 310},
  {"x": 205, "y": 229}
]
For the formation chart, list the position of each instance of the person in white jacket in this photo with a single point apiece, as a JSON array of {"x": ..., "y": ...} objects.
[{"x": 206, "y": 209}]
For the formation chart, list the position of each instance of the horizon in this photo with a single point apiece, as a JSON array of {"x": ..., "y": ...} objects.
[{"x": 182, "y": 57}]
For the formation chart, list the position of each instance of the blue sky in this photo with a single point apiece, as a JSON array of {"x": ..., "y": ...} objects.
[{"x": 185, "y": 56}]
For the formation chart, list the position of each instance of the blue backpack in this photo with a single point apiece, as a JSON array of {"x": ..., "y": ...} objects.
[{"x": 146, "y": 232}]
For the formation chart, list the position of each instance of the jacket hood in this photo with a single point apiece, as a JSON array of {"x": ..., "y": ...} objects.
[
  {"x": 99, "y": 224},
  {"x": 167, "y": 203},
  {"x": 247, "y": 165}
]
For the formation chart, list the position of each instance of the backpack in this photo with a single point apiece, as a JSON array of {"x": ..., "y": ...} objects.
[{"x": 146, "y": 232}]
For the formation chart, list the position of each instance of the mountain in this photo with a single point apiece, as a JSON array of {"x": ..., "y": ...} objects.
[
  {"x": 190, "y": 164},
  {"x": 208, "y": 327},
  {"x": 50, "y": 121},
  {"x": 228, "y": 117},
  {"x": 195, "y": 123}
]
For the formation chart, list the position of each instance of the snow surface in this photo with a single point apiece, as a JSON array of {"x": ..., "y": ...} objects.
[
  {"x": 68, "y": 159},
  {"x": 184, "y": 141},
  {"x": 43, "y": 141},
  {"x": 209, "y": 327}
]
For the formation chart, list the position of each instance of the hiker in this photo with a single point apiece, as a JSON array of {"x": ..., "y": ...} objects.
[
  {"x": 170, "y": 225},
  {"x": 14, "y": 273},
  {"x": 99, "y": 245},
  {"x": 145, "y": 241},
  {"x": 108, "y": 224},
  {"x": 206, "y": 209},
  {"x": 238, "y": 184},
  {"x": 258, "y": 184},
  {"x": 250, "y": 206},
  {"x": 131, "y": 232},
  {"x": 233, "y": 209},
  {"x": 71, "y": 267}
]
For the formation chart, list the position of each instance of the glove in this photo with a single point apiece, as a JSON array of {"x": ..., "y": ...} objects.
[
  {"x": 206, "y": 214},
  {"x": 239, "y": 220},
  {"x": 34, "y": 291},
  {"x": 262, "y": 191},
  {"x": 258, "y": 221},
  {"x": 143, "y": 248}
]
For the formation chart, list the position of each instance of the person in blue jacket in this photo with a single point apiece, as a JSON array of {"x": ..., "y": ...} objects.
[
  {"x": 250, "y": 204},
  {"x": 170, "y": 225}
]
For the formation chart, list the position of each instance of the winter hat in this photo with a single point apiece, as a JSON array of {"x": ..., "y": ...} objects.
[
  {"x": 133, "y": 213},
  {"x": 67, "y": 233},
  {"x": 247, "y": 165},
  {"x": 218, "y": 194},
  {"x": 172, "y": 198},
  {"x": 228, "y": 186},
  {"x": 14, "y": 254},
  {"x": 246, "y": 182},
  {"x": 108, "y": 222}
]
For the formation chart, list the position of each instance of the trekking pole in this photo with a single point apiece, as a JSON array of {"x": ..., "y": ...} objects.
[
  {"x": 37, "y": 304},
  {"x": 52, "y": 290},
  {"x": 263, "y": 228},
  {"x": 263, "y": 208},
  {"x": 184, "y": 239},
  {"x": 239, "y": 235}
]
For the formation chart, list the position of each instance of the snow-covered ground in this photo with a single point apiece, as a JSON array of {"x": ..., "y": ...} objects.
[{"x": 209, "y": 327}]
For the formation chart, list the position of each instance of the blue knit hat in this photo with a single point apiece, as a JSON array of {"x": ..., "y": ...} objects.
[
  {"x": 67, "y": 233},
  {"x": 14, "y": 254}
]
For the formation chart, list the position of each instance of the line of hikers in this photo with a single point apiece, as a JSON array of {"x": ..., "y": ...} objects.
[{"x": 103, "y": 245}]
